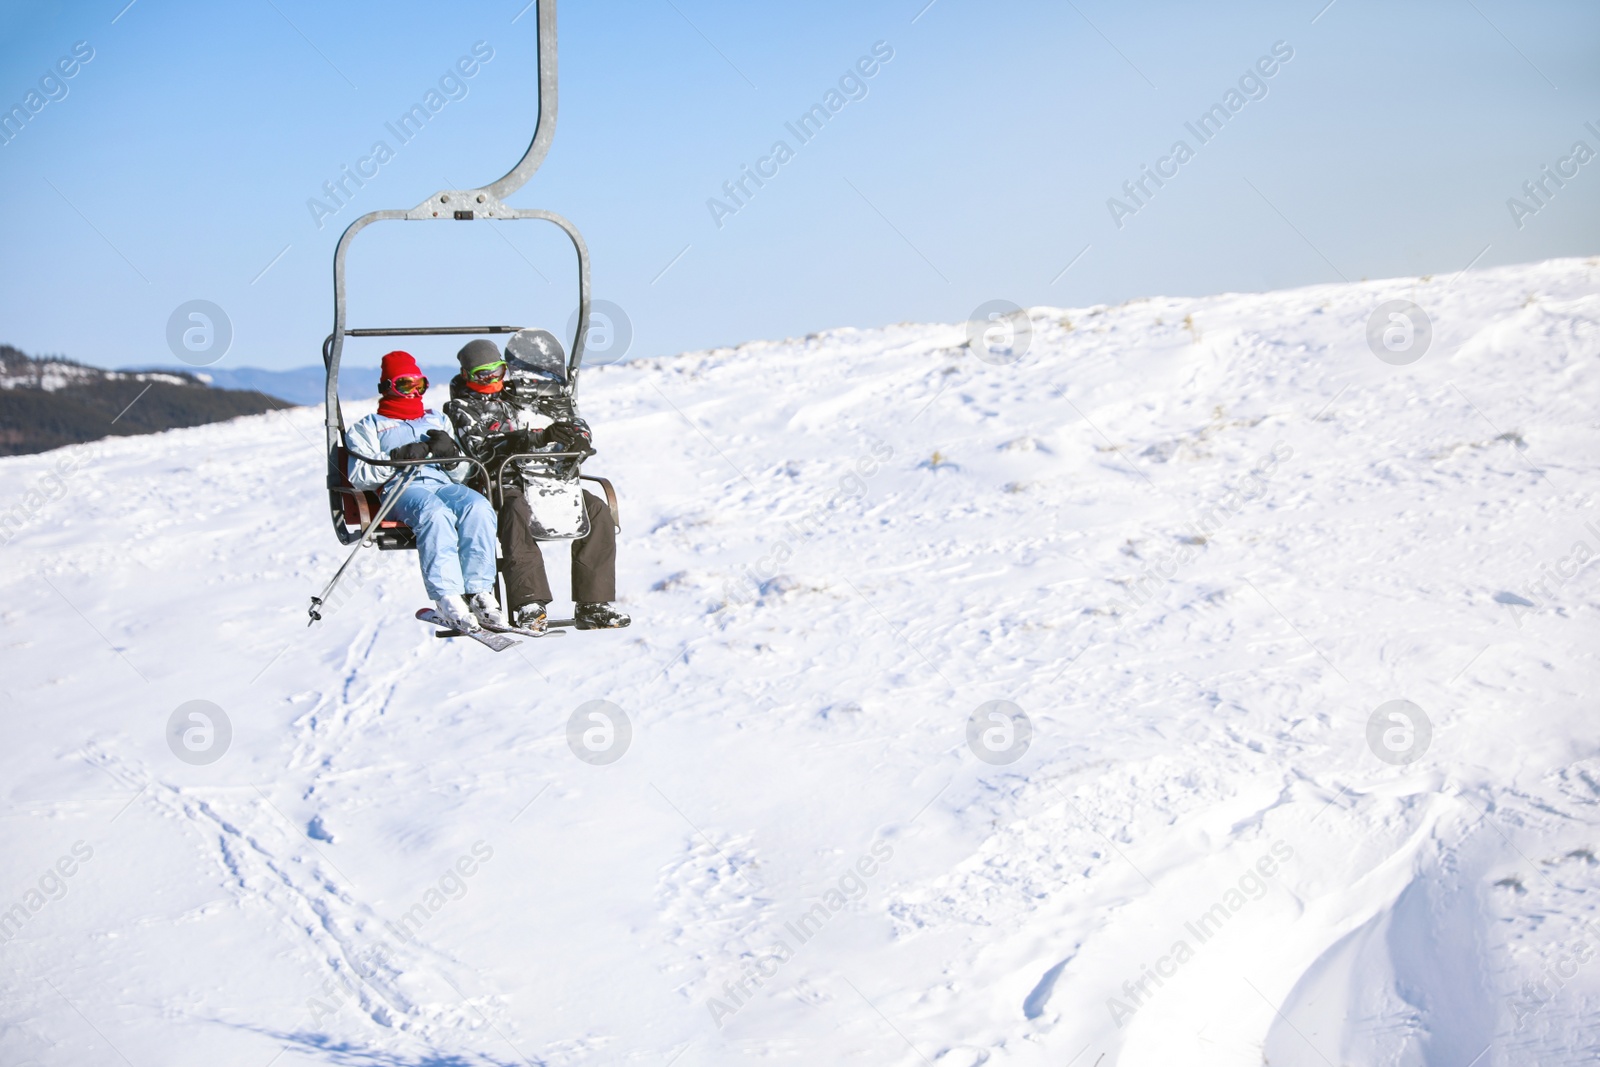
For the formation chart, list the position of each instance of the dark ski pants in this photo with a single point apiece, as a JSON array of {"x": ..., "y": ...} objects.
[{"x": 594, "y": 558}]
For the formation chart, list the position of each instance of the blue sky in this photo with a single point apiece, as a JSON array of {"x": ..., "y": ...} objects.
[{"x": 978, "y": 164}]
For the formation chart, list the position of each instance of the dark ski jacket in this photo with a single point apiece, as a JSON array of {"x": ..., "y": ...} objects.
[{"x": 482, "y": 420}]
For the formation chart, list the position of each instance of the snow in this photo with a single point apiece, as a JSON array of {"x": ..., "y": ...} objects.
[{"x": 1199, "y": 556}]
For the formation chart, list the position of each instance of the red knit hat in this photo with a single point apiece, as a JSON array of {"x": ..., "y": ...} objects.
[{"x": 398, "y": 364}]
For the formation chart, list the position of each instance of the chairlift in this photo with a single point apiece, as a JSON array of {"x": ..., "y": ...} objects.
[{"x": 359, "y": 517}]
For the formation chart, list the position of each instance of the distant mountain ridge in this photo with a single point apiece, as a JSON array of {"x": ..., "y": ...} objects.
[
  {"x": 53, "y": 401},
  {"x": 18, "y": 370}
]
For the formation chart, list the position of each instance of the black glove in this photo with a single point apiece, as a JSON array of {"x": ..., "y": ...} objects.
[
  {"x": 521, "y": 441},
  {"x": 571, "y": 436},
  {"x": 442, "y": 446},
  {"x": 415, "y": 450}
]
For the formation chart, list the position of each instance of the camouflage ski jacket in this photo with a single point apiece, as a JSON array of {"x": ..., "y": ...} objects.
[{"x": 482, "y": 421}]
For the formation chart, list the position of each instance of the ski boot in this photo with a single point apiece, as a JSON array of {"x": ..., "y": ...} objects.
[
  {"x": 599, "y": 617},
  {"x": 486, "y": 610},
  {"x": 530, "y": 617},
  {"x": 454, "y": 611}
]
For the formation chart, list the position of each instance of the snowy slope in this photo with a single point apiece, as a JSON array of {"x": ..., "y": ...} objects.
[{"x": 835, "y": 550}]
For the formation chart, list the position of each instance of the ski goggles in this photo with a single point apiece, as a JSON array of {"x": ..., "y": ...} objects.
[
  {"x": 488, "y": 372},
  {"x": 405, "y": 385}
]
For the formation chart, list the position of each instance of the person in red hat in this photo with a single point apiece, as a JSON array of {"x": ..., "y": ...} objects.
[{"x": 454, "y": 525}]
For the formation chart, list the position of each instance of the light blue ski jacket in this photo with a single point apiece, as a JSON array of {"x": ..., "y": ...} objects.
[{"x": 376, "y": 434}]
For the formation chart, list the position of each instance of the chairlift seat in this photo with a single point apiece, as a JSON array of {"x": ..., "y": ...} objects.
[{"x": 360, "y": 505}]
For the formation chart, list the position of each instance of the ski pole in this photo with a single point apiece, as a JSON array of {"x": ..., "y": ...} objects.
[{"x": 390, "y": 499}]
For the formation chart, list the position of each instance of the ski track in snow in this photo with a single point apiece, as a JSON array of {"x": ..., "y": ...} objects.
[{"x": 835, "y": 548}]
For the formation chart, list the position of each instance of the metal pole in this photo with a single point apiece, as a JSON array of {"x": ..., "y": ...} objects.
[
  {"x": 390, "y": 499},
  {"x": 545, "y": 130}
]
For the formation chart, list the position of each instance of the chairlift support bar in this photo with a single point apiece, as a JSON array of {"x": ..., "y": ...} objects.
[{"x": 428, "y": 331}]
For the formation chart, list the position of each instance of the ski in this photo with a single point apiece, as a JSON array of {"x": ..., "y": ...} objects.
[
  {"x": 508, "y": 629},
  {"x": 497, "y": 641},
  {"x": 572, "y": 624},
  {"x": 569, "y": 624}
]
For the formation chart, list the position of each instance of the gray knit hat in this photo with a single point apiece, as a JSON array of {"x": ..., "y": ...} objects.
[{"x": 477, "y": 353}]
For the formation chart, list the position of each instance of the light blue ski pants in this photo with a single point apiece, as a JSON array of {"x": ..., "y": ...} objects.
[{"x": 455, "y": 528}]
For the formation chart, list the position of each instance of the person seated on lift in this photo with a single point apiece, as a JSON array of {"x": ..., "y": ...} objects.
[
  {"x": 492, "y": 423},
  {"x": 454, "y": 525}
]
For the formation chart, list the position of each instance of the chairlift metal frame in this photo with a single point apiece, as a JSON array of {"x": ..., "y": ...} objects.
[{"x": 486, "y": 202}]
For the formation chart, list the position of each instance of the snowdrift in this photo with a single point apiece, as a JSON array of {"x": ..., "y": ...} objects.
[{"x": 1200, "y": 542}]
